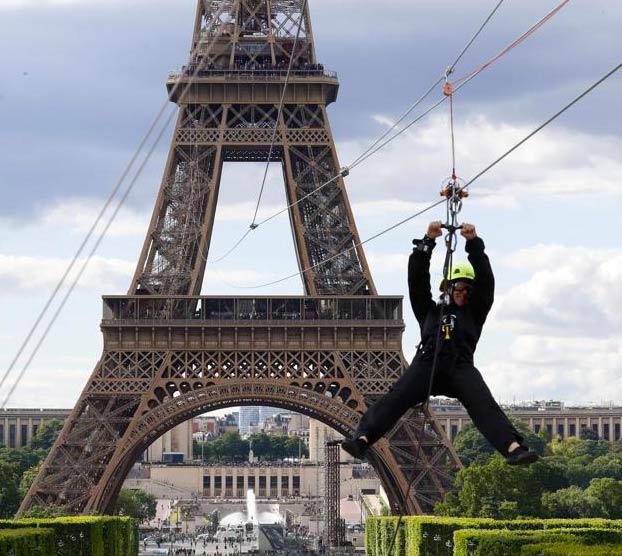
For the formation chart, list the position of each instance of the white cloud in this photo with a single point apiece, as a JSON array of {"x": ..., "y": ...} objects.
[
  {"x": 382, "y": 263},
  {"x": 572, "y": 291},
  {"x": 238, "y": 278},
  {"x": 571, "y": 369},
  {"x": 565, "y": 326},
  {"x": 243, "y": 212},
  {"x": 37, "y": 273},
  {"x": 557, "y": 163},
  {"x": 78, "y": 215},
  {"x": 38, "y": 389},
  {"x": 20, "y": 4},
  {"x": 385, "y": 207},
  {"x": 102, "y": 274}
]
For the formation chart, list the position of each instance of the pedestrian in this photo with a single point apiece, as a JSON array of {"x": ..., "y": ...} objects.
[{"x": 469, "y": 297}]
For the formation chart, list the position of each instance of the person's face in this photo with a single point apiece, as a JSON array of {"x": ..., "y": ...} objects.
[{"x": 460, "y": 293}]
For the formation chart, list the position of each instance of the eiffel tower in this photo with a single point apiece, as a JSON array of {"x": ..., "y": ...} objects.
[{"x": 170, "y": 354}]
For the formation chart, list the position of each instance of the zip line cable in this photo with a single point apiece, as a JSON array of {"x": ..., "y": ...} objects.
[
  {"x": 85, "y": 264},
  {"x": 280, "y": 111},
  {"x": 464, "y": 80},
  {"x": 454, "y": 205},
  {"x": 107, "y": 204},
  {"x": 449, "y": 71},
  {"x": 434, "y": 205},
  {"x": 458, "y": 84},
  {"x": 518, "y": 41},
  {"x": 379, "y": 145},
  {"x": 454, "y": 197},
  {"x": 253, "y": 224}
]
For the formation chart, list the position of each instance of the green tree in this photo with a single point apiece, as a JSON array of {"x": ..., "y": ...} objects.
[
  {"x": 568, "y": 502},
  {"x": 605, "y": 496},
  {"x": 28, "y": 477},
  {"x": 608, "y": 465},
  {"x": 492, "y": 490},
  {"x": 137, "y": 504},
  {"x": 23, "y": 458},
  {"x": 44, "y": 512},
  {"x": 473, "y": 447},
  {"x": 233, "y": 447},
  {"x": 228, "y": 448},
  {"x": 47, "y": 433},
  {"x": 9, "y": 495},
  {"x": 271, "y": 447},
  {"x": 588, "y": 434},
  {"x": 550, "y": 473}
]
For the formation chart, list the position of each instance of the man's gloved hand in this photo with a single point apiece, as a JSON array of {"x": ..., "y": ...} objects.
[
  {"x": 434, "y": 230},
  {"x": 468, "y": 231}
]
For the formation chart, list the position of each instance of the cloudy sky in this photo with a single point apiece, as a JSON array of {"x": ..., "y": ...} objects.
[{"x": 82, "y": 80}]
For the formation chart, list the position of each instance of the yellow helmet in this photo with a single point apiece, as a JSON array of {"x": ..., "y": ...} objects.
[{"x": 460, "y": 271}]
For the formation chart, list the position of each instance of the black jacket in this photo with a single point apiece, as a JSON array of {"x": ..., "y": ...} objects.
[{"x": 465, "y": 323}]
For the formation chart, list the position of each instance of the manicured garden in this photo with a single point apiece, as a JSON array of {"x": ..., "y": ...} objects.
[
  {"x": 69, "y": 536},
  {"x": 442, "y": 536}
]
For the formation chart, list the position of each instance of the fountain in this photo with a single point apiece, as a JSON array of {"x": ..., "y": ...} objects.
[
  {"x": 251, "y": 507},
  {"x": 251, "y": 515}
]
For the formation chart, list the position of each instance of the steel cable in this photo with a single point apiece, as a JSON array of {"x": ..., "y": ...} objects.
[
  {"x": 434, "y": 205},
  {"x": 103, "y": 210},
  {"x": 253, "y": 224},
  {"x": 379, "y": 144}
]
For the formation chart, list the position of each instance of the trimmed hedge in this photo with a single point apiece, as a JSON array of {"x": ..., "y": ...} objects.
[
  {"x": 568, "y": 549},
  {"x": 86, "y": 536},
  {"x": 424, "y": 535},
  {"x": 499, "y": 542},
  {"x": 379, "y": 535},
  {"x": 27, "y": 542}
]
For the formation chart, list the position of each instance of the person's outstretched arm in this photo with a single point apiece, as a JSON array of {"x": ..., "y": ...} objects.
[
  {"x": 419, "y": 288},
  {"x": 483, "y": 293}
]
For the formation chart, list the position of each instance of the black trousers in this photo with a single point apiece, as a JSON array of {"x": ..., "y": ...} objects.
[{"x": 453, "y": 379}]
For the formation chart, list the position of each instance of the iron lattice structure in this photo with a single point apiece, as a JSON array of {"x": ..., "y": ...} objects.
[
  {"x": 170, "y": 355},
  {"x": 334, "y": 527}
]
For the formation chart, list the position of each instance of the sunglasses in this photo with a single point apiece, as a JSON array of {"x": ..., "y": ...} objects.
[{"x": 462, "y": 288}]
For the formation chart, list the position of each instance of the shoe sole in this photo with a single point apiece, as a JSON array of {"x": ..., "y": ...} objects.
[
  {"x": 353, "y": 451},
  {"x": 527, "y": 459}
]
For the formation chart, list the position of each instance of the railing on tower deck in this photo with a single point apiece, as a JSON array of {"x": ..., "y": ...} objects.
[
  {"x": 274, "y": 308},
  {"x": 244, "y": 74}
]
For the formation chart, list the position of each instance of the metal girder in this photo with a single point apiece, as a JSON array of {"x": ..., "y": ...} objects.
[{"x": 334, "y": 530}]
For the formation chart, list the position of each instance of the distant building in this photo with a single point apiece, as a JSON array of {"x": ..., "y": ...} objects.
[
  {"x": 267, "y": 480},
  {"x": 252, "y": 418},
  {"x": 230, "y": 422},
  {"x": 276, "y": 424},
  {"x": 552, "y": 417},
  {"x": 176, "y": 440},
  {"x": 319, "y": 434},
  {"x": 18, "y": 426}
]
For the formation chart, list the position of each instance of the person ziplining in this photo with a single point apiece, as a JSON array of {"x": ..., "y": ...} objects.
[
  {"x": 450, "y": 330},
  {"x": 461, "y": 313}
]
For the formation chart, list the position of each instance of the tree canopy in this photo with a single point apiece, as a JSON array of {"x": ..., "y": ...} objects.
[
  {"x": 575, "y": 478},
  {"x": 137, "y": 504},
  {"x": 47, "y": 433},
  {"x": 231, "y": 448},
  {"x": 9, "y": 495}
]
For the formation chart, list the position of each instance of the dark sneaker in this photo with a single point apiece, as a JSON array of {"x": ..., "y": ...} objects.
[
  {"x": 357, "y": 448},
  {"x": 522, "y": 456}
]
